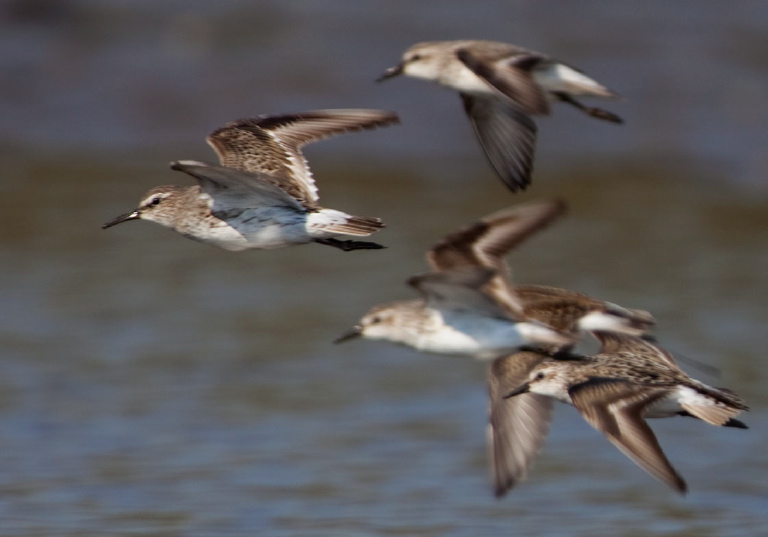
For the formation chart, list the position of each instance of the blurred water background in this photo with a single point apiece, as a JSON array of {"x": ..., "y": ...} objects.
[{"x": 156, "y": 386}]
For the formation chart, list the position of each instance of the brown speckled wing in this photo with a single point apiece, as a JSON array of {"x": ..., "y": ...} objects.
[
  {"x": 643, "y": 348},
  {"x": 562, "y": 314},
  {"x": 615, "y": 408},
  {"x": 272, "y": 144},
  {"x": 486, "y": 243}
]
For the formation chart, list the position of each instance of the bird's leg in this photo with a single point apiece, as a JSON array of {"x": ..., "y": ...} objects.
[
  {"x": 348, "y": 246},
  {"x": 598, "y": 113}
]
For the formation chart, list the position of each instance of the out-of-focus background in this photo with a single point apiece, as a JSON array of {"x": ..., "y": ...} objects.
[{"x": 156, "y": 386}]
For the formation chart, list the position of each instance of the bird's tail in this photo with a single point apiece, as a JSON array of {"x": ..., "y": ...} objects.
[
  {"x": 718, "y": 406},
  {"x": 559, "y": 77},
  {"x": 617, "y": 319},
  {"x": 328, "y": 222}
]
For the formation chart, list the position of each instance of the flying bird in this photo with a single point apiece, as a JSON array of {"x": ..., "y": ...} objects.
[
  {"x": 503, "y": 87},
  {"x": 629, "y": 380},
  {"x": 263, "y": 194}
]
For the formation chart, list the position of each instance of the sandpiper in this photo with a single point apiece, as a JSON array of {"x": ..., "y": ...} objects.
[
  {"x": 263, "y": 195},
  {"x": 482, "y": 246},
  {"x": 467, "y": 309},
  {"x": 502, "y": 86},
  {"x": 630, "y": 379}
]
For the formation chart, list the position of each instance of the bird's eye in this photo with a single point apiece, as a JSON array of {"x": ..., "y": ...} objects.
[
  {"x": 539, "y": 376},
  {"x": 155, "y": 201},
  {"x": 375, "y": 320},
  {"x": 415, "y": 58}
]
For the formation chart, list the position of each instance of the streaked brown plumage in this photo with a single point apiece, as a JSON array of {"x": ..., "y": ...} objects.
[{"x": 629, "y": 380}]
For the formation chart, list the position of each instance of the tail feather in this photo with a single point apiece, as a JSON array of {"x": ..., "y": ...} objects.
[
  {"x": 559, "y": 77},
  {"x": 330, "y": 221},
  {"x": 639, "y": 319},
  {"x": 714, "y": 414},
  {"x": 718, "y": 407},
  {"x": 617, "y": 319}
]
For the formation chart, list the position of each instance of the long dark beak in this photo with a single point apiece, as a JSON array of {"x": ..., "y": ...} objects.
[
  {"x": 392, "y": 71},
  {"x": 525, "y": 388},
  {"x": 356, "y": 332},
  {"x": 122, "y": 218}
]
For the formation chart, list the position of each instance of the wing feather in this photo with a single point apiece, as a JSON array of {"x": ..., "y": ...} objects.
[
  {"x": 272, "y": 144},
  {"x": 518, "y": 425},
  {"x": 615, "y": 408}
]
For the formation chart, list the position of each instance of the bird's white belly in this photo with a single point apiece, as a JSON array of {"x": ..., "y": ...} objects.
[
  {"x": 262, "y": 228},
  {"x": 463, "y": 79},
  {"x": 482, "y": 337}
]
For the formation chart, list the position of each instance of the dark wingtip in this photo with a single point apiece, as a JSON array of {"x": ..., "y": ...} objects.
[
  {"x": 390, "y": 118},
  {"x": 738, "y": 424},
  {"x": 515, "y": 182},
  {"x": 501, "y": 489},
  {"x": 519, "y": 185}
]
